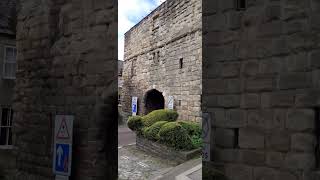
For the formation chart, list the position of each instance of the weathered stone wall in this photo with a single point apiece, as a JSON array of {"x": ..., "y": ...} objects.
[
  {"x": 261, "y": 86},
  {"x": 67, "y": 64},
  {"x": 153, "y": 49}
]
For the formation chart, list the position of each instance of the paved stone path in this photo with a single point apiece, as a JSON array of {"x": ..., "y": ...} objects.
[
  {"x": 190, "y": 170},
  {"x": 125, "y": 136},
  {"x": 137, "y": 165}
]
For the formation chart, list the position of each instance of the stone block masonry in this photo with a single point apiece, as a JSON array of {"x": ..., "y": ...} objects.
[
  {"x": 265, "y": 124},
  {"x": 67, "y": 64},
  {"x": 163, "y": 52}
]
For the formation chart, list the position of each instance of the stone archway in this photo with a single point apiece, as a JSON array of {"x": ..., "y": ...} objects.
[{"x": 153, "y": 100}]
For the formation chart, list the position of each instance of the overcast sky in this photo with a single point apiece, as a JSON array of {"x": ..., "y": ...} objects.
[{"x": 130, "y": 12}]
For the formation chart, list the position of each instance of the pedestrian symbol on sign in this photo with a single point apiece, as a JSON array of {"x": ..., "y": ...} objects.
[
  {"x": 134, "y": 108},
  {"x": 134, "y": 105}
]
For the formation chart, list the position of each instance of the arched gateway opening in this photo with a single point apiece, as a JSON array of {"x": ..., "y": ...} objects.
[{"x": 153, "y": 100}]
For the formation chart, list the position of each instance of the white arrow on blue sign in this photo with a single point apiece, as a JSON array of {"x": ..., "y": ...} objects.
[{"x": 62, "y": 160}]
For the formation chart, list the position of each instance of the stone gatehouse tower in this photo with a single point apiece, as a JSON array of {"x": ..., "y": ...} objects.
[{"x": 163, "y": 57}]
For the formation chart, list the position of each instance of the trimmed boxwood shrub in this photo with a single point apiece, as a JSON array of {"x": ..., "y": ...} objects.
[
  {"x": 196, "y": 141},
  {"x": 159, "y": 115},
  {"x": 152, "y": 132},
  {"x": 174, "y": 135},
  {"x": 135, "y": 123},
  {"x": 194, "y": 131},
  {"x": 193, "y": 128}
]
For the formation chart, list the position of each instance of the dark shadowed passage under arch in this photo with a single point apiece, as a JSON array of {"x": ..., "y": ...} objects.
[{"x": 153, "y": 100}]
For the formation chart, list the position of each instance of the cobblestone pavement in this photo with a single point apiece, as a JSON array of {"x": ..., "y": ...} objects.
[{"x": 138, "y": 165}]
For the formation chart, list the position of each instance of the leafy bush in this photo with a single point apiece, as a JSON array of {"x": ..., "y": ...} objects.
[
  {"x": 174, "y": 135},
  {"x": 194, "y": 131},
  {"x": 193, "y": 128},
  {"x": 135, "y": 123},
  {"x": 152, "y": 132},
  {"x": 196, "y": 141},
  {"x": 159, "y": 115}
]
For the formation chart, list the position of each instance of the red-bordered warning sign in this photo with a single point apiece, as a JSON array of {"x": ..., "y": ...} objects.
[
  {"x": 63, "y": 132},
  {"x": 62, "y": 159}
]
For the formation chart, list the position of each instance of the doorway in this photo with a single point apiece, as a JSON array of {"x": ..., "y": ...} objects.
[{"x": 153, "y": 100}]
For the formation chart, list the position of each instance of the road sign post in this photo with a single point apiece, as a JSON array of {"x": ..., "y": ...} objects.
[
  {"x": 134, "y": 106},
  {"x": 62, "y": 157}
]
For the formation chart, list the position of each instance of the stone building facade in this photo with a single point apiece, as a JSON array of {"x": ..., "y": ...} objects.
[
  {"x": 67, "y": 64},
  {"x": 163, "y": 57},
  {"x": 261, "y": 86},
  {"x": 7, "y": 82}
]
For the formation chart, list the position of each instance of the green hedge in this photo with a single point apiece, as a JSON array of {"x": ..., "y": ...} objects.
[
  {"x": 135, "y": 123},
  {"x": 160, "y": 125},
  {"x": 194, "y": 131},
  {"x": 193, "y": 128},
  {"x": 159, "y": 115},
  {"x": 152, "y": 132},
  {"x": 197, "y": 141},
  {"x": 174, "y": 135}
]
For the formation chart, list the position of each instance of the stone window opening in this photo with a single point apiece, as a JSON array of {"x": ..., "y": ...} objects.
[
  {"x": 6, "y": 114},
  {"x": 153, "y": 100},
  {"x": 241, "y": 4},
  {"x": 155, "y": 25},
  {"x": 236, "y": 138},
  {"x": 158, "y": 56},
  {"x": 181, "y": 63},
  {"x": 133, "y": 69},
  {"x": 155, "y": 21},
  {"x": 9, "y": 63}
]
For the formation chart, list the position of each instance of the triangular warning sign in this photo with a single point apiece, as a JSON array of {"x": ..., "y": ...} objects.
[{"x": 63, "y": 130}]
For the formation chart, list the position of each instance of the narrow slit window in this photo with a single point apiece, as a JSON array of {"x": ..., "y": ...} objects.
[
  {"x": 241, "y": 4},
  {"x": 236, "y": 138},
  {"x": 181, "y": 63},
  {"x": 158, "y": 56}
]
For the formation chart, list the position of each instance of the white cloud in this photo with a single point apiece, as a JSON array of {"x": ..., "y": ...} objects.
[{"x": 130, "y": 12}]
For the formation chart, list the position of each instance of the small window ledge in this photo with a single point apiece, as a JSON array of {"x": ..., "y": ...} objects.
[
  {"x": 8, "y": 78},
  {"x": 5, "y": 147}
]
